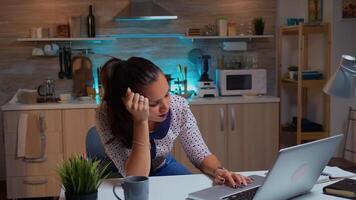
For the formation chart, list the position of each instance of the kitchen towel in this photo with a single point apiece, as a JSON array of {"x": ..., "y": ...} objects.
[
  {"x": 21, "y": 135},
  {"x": 29, "y": 136}
]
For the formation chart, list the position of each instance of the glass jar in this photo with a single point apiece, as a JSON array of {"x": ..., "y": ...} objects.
[
  {"x": 221, "y": 25},
  {"x": 241, "y": 29},
  {"x": 231, "y": 30}
]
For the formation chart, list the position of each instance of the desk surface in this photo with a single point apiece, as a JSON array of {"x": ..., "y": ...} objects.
[{"x": 178, "y": 187}]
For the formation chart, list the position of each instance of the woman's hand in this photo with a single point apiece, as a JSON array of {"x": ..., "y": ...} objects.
[
  {"x": 224, "y": 176},
  {"x": 137, "y": 105}
]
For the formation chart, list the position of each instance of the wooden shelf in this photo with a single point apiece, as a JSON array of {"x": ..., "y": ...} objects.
[
  {"x": 306, "y": 83},
  {"x": 128, "y": 36},
  {"x": 307, "y": 29},
  {"x": 315, "y": 135},
  {"x": 64, "y": 39},
  {"x": 306, "y": 91},
  {"x": 230, "y": 37}
]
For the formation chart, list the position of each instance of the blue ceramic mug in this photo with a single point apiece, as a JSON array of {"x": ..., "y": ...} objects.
[{"x": 135, "y": 188}]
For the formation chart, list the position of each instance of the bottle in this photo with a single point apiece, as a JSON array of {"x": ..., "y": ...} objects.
[{"x": 91, "y": 22}]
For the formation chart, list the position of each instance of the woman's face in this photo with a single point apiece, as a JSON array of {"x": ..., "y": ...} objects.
[{"x": 158, "y": 96}]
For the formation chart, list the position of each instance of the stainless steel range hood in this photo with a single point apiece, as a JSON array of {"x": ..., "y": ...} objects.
[{"x": 143, "y": 10}]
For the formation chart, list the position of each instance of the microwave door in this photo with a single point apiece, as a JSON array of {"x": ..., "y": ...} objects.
[{"x": 238, "y": 84}]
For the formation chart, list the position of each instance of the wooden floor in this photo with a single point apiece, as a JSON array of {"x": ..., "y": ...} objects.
[{"x": 344, "y": 164}]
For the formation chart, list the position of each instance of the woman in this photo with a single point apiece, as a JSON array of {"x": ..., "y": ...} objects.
[{"x": 139, "y": 120}]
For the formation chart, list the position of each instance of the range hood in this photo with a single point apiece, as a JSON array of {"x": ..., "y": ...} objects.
[{"x": 143, "y": 10}]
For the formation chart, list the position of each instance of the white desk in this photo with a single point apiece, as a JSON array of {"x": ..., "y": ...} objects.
[{"x": 178, "y": 187}]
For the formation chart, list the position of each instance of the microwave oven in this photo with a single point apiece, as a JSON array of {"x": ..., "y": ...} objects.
[{"x": 240, "y": 82}]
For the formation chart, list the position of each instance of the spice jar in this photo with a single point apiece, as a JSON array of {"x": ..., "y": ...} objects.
[
  {"x": 221, "y": 24},
  {"x": 231, "y": 29}
]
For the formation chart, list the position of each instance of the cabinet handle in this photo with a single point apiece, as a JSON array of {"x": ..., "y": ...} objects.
[
  {"x": 41, "y": 158},
  {"x": 222, "y": 120},
  {"x": 233, "y": 119},
  {"x": 35, "y": 182}
]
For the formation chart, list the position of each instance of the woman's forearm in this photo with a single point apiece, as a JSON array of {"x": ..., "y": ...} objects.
[
  {"x": 139, "y": 160},
  {"x": 210, "y": 164}
]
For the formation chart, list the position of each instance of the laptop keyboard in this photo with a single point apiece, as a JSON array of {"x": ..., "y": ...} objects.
[{"x": 245, "y": 195}]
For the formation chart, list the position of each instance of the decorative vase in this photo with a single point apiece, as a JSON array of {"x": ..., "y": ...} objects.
[
  {"x": 259, "y": 30},
  {"x": 90, "y": 196}
]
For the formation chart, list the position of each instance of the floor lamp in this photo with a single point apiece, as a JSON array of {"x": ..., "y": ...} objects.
[{"x": 341, "y": 84}]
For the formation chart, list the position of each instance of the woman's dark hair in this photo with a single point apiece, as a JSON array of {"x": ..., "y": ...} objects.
[{"x": 134, "y": 73}]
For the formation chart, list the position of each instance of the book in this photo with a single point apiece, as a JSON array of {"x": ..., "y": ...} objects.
[
  {"x": 344, "y": 188},
  {"x": 333, "y": 173}
]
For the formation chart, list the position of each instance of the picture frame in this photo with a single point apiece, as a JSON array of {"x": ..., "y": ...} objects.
[
  {"x": 348, "y": 9},
  {"x": 315, "y": 11}
]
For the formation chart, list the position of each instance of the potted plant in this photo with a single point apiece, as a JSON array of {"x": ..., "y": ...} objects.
[
  {"x": 81, "y": 177},
  {"x": 259, "y": 24}
]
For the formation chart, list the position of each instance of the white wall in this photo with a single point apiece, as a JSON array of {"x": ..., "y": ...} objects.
[
  {"x": 343, "y": 42},
  {"x": 317, "y": 46}
]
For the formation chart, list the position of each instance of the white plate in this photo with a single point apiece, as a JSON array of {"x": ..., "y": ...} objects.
[{"x": 85, "y": 98}]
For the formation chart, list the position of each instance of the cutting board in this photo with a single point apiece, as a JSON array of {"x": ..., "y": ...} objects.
[{"x": 82, "y": 75}]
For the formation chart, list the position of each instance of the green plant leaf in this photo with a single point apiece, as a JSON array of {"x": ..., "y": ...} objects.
[{"x": 82, "y": 176}]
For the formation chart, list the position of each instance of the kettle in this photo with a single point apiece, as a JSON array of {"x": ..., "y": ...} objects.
[{"x": 47, "y": 89}]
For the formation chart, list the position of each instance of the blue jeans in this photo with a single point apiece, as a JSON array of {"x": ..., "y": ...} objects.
[{"x": 171, "y": 167}]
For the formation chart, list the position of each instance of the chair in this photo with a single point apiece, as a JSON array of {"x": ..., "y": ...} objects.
[{"x": 95, "y": 149}]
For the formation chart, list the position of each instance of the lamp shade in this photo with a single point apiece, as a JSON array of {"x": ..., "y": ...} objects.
[{"x": 341, "y": 84}]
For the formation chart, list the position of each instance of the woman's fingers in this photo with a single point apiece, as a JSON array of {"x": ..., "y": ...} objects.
[
  {"x": 137, "y": 105},
  {"x": 141, "y": 102},
  {"x": 128, "y": 98},
  {"x": 145, "y": 103},
  {"x": 232, "y": 179},
  {"x": 227, "y": 177},
  {"x": 239, "y": 179},
  {"x": 135, "y": 100},
  {"x": 219, "y": 180}
]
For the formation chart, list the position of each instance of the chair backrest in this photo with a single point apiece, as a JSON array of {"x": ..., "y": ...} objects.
[{"x": 95, "y": 149}]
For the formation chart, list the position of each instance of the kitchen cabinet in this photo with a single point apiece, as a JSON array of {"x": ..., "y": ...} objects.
[
  {"x": 243, "y": 136},
  {"x": 65, "y": 133},
  {"x": 76, "y": 123},
  {"x": 33, "y": 178}
]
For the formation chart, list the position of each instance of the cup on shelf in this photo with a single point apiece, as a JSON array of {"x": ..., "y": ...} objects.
[
  {"x": 292, "y": 75},
  {"x": 36, "y": 32},
  {"x": 37, "y": 52}
]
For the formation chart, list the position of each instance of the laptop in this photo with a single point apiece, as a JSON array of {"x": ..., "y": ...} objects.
[{"x": 294, "y": 172}]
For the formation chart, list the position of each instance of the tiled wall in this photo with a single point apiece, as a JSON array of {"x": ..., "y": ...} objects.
[{"x": 18, "y": 69}]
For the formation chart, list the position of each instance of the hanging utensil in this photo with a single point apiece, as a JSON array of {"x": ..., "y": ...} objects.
[
  {"x": 61, "y": 73},
  {"x": 68, "y": 63}
]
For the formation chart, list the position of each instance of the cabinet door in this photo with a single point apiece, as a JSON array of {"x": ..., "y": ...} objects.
[
  {"x": 33, "y": 178},
  {"x": 253, "y": 136},
  {"x": 212, "y": 123},
  {"x": 76, "y": 123}
]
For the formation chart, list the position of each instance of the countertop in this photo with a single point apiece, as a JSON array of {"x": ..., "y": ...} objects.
[{"x": 87, "y": 104}]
